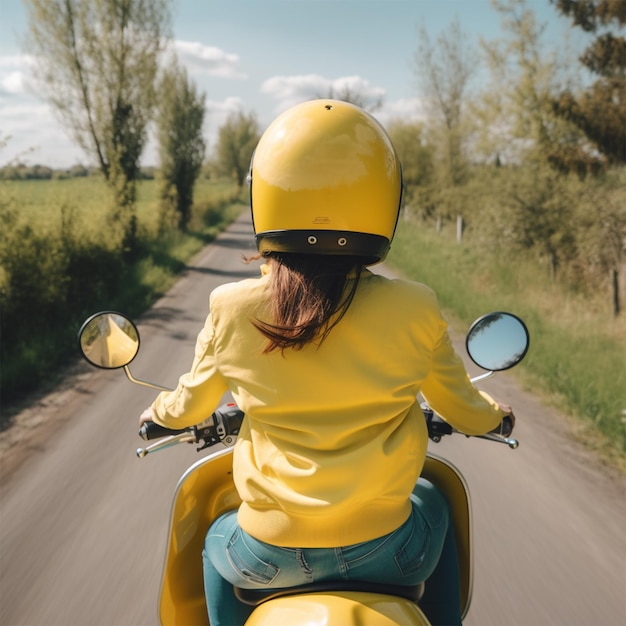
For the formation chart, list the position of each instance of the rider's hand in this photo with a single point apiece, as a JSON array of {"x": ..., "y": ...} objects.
[
  {"x": 508, "y": 422},
  {"x": 146, "y": 416}
]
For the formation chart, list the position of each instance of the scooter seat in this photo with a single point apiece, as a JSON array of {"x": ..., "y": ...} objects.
[{"x": 254, "y": 597}]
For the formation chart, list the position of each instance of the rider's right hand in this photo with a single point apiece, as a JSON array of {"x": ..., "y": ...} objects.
[{"x": 146, "y": 416}]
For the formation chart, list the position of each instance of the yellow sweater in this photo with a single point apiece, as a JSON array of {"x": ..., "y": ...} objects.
[{"x": 333, "y": 440}]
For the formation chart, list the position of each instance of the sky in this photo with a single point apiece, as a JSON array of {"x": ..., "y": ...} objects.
[{"x": 260, "y": 56}]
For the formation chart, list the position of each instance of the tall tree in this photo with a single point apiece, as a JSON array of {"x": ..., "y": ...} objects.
[
  {"x": 179, "y": 122},
  {"x": 517, "y": 119},
  {"x": 520, "y": 129},
  {"x": 236, "y": 142},
  {"x": 600, "y": 109},
  {"x": 96, "y": 66},
  {"x": 444, "y": 70}
]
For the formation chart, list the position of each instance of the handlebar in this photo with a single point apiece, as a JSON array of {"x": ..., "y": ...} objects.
[
  {"x": 224, "y": 424},
  {"x": 438, "y": 428}
]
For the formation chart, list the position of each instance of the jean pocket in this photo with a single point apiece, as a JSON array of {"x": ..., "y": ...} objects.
[
  {"x": 247, "y": 564},
  {"x": 394, "y": 558}
]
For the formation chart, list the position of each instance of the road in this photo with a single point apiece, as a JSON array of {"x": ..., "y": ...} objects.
[{"x": 83, "y": 521}]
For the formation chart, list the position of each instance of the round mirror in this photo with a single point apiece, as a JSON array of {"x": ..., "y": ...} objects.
[
  {"x": 109, "y": 340},
  {"x": 497, "y": 341}
]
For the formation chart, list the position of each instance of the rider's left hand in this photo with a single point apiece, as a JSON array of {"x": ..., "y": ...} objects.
[{"x": 508, "y": 422}]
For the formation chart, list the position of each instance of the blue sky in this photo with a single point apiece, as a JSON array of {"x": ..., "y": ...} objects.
[{"x": 261, "y": 56}]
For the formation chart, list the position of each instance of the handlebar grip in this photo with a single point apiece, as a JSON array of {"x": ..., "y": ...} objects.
[
  {"x": 151, "y": 430},
  {"x": 505, "y": 427}
]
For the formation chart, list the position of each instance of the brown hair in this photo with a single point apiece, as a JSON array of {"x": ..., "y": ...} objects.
[{"x": 310, "y": 294}]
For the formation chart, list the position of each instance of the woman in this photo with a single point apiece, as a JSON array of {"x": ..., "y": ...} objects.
[{"x": 326, "y": 359}]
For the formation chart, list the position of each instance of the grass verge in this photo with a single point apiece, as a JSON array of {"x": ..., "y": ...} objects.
[{"x": 576, "y": 360}]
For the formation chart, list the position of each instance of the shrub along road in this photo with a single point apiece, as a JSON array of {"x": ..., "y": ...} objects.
[{"x": 83, "y": 521}]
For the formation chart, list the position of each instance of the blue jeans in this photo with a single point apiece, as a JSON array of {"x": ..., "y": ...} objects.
[{"x": 406, "y": 556}]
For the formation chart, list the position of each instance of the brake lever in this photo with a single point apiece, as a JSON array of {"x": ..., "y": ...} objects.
[
  {"x": 167, "y": 442},
  {"x": 512, "y": 443}
]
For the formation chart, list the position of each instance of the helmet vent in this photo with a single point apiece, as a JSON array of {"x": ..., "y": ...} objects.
[
  {"x": 328, "y": 107},
  {"x": 312, "y": 240},
  {"x": 342, "y": 241}
]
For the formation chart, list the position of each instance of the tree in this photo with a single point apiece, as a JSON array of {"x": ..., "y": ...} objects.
[
  {"x": 599, "y": 110},
  {"x": 517, "y": 114},
  {"x": 518, "y": 124},
  {"x": 236, "y": 142},
  {"x": 538, "y": 208},
  {"x": 96, "y": 66},
  {"x": 182, "y": 147},
  {"x": 520, "y": 127},
  {"x": 443, "y": 71},
  {"x": 417, "y": 158},
  {"x": 415, "y": 154}
]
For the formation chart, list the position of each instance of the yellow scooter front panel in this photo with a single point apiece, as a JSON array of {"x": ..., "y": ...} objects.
[
  {"x": 206, "y": 490},
  {"x": 449, "y": 480}
]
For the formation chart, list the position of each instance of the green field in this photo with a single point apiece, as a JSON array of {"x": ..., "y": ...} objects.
[
  {"x": 57, "y": 267},
  {"x": 42, "y": 200}
]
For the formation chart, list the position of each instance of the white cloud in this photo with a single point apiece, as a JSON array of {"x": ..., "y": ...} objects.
[
  {"x": 12, "y": 83},
  {"x": 208, "y": 60},
  {"x": 224, "y": 107},
  {"x": 14, "y": 74},
  {"x": 34, "y": 136},
  {"x": 12, "y": 61},
  {"x": 28, "y": 130},
  {"x": 290, "y": 90},
  {"x": 405, "y": 109}
]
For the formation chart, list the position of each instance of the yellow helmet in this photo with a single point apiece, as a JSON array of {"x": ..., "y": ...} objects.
[{"x": 325, "y": 179}]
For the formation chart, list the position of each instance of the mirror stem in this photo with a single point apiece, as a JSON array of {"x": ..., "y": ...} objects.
[
  {"x": 481, "y": 377},
  {"x": 144, "y": 383}
]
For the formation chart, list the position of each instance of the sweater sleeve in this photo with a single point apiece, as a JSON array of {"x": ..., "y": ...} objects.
[
  {"x": 198, "y": 392},
  {"x": 449, "y": 392}
]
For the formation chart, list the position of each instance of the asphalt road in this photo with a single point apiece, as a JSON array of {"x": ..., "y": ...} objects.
[{"x": 83, "y": 521}]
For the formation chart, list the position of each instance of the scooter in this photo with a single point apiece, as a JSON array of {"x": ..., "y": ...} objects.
[{"x": 496, "y": 341}]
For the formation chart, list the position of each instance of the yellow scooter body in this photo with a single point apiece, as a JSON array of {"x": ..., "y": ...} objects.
[{"x": 206, "y": 490}]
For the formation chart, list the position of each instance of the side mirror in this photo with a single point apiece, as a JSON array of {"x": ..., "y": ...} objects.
[
  {"x": 109, "y": 340},
  {"x": 497, "y": 341}
]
